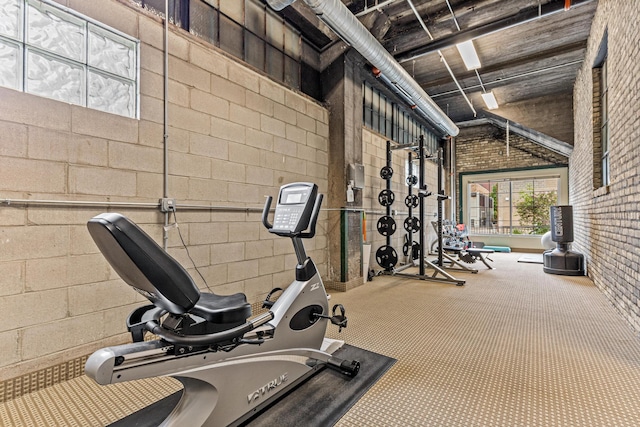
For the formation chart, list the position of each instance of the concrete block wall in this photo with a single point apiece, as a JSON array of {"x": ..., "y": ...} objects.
[
  {"x": 606, "y": 219},
  {"x": 374, "y": 158},
  {"x": 234, "y": 136}
]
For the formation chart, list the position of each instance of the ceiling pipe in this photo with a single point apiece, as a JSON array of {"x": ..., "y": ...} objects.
[
  {"x": 336, "y": 15},
  {"x": 453, "y": 15},
  {"x": 501, "y": 80},
  {"x": 442, "y": 58},
  {"x": 526, "y": 15},
  {"x": 373, "y": 8},
  {"x": 397, "y": 90}
]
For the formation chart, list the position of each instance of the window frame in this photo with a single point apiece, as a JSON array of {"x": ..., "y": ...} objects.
[
  {"x": 466, "y": 178},
  {"x": 601, "y": 129},
  {"x": 604, "y": 124},
  {"x": 281, "y": 43},
  {"x": 388, "y": 118}
]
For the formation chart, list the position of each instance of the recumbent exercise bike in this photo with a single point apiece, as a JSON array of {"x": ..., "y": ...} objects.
[{"x": 231, "y": 365}]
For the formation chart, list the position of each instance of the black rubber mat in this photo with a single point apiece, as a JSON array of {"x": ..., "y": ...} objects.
[
  {"x": 531, "y": 258},
  {"x": 322, "y": 400}
]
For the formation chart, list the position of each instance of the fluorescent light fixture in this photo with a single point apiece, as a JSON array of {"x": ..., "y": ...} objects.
[
  {"x": 469, "y": 55},
  {"x": 490, "y": 100}
]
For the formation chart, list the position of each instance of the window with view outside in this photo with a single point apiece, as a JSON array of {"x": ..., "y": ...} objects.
[{"x": 511, "y": 206}]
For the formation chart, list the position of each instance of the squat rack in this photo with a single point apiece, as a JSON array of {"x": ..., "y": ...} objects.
[{"x": 421, "y": 262}]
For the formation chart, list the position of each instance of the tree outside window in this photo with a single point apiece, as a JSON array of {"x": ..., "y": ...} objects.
[
  {"x": 533, "y": 208},
  {"x": 511, "y": 206}
]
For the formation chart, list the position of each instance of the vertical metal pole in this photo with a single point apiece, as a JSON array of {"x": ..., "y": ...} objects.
[
  {"x": 440, "y": 200},
  {"x": 510, "y": 208},
  {"x": 507, "y": 138},
  {"x": 344, "y": 245},
  {"x": 421, "y": 200},
  {"x": 452, "y": 178},
  {"x": 165, "y": 132},
  {"x": 410, "y": 191},
  {"x": 389, "y": 187}
]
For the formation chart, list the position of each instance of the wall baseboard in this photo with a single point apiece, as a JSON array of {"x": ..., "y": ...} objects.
[{"x": 38, "y": 380}]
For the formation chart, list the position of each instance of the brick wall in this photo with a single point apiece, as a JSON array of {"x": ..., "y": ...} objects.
[
  {"x": 606, "y": 226},
  {"x": 484, "y": 148},
  {"x": 234, "y": 137},
  {"x": 550, "y": 114}
]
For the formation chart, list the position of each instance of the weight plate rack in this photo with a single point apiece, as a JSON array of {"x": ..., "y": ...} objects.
[{"x": 386, "y": 256}]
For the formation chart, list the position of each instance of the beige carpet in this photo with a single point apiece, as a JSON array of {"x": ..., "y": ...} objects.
[{"x": 513, "y": 347}]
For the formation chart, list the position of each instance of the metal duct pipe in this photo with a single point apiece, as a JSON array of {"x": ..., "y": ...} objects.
[
  {"x": 401, "y": 94},
  {"x": 346, "y": 26}
]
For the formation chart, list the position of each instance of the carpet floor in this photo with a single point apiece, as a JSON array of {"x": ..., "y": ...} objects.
[{"x": 513, "y": 347}]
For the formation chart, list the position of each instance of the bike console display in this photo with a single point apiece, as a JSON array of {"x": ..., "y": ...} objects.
[{"x": 294, "y": 208}]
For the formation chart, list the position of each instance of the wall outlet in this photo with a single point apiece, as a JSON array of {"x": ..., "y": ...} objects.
[{"x": 167, "y": 204}]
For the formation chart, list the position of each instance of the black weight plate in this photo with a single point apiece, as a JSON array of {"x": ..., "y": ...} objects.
[
  {"x": 411, "y": 201},
  {"x": 386, "y": 197},
  {"x": 386, "y": 226},
  {"x": 412, "y": 224},
  {"x": 386, "y": 257},
  {"x": 386, "y": 172},
  {"x": 415, "y": 250},
  {"x": 412, "y": 180}
]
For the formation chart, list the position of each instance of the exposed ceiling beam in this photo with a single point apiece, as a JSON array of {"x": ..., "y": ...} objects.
[
  {"x": 504, "y": 66},
  {"x": 305, "y": 21},
  {"x": 504, "y": 81},
  {"x": 525, "y": 15},
  {"x": 434, "y": 13},
  {"x": 377, "y": 23},
  {"x": 376, "y": 7}
]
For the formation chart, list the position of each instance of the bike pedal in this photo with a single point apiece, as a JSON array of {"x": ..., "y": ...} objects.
[{"x": 340, "y": 320}]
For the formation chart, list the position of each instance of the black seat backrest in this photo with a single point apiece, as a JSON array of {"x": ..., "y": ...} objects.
[{"x": 143, "y": 264}]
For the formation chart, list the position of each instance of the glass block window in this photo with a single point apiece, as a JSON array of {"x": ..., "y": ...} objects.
[
  {"x": 11, "y": 18},
  {"x": 10, "y": 64},
  {"x": 54, "y": 77},
  {"x": 54, "y": 52}
]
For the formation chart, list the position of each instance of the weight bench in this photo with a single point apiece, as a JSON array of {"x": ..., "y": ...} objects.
[
  {"x": 469, "y": 255},
  {"x": 481, "y": 254}
]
